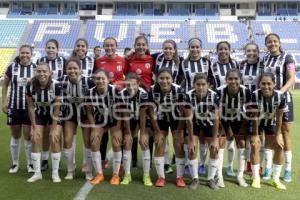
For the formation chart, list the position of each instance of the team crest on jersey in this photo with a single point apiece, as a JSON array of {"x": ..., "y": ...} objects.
[
  {"x": 138, "y": 71},
  {"x": 59, "y": 64},
  {"x": 250, "y": 78},
  {"x": 147, "y": 65}
]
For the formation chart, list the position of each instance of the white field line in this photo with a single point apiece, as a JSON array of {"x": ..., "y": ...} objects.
[{"x": 84, "y": 191}]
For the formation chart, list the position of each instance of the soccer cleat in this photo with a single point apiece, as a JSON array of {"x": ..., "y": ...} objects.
[
  {"x": 267, "y": 175},
  {"x": 220, "y": 182},
  {"x": 88, "y": 176},
  {"x": 44, "y": 165},
  {"x": 242, "y": 182},
  {"x": 230, "y": 171},
  {"x": 115, "y": 179},
  {"x": 277, "y": 184},
  {"x": 248, "y": 169},
  {"x": 14, "y": 169},
  {"x": 160, "y": 182},
  {"x": 56, "y": 178},
  {"x": 30, "y": 168},
  {"x": 287, "y": 176},
  {"x": 97, "y": 179},
  {"x": 201, "y": 170},
  {"x": 69, "y": 176},
  {"x": 168, "y": 169},
  {"x": 126, "y": 179},
  {"x": 256, "y": 183},
  {"x": 187, "y": 171},
  {"x": 36, "y": 176},
  {"x": 180, "y": 182},
  {"x": 194, "y": 184},
  {"x": 147, "y": 180},
  {"x": 212, "y": 184}
]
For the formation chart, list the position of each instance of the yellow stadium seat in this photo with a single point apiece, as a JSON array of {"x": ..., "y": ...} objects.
[{"x": 5, "y": 58}]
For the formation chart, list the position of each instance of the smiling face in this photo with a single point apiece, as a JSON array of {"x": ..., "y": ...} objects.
[
  {"x": 195, "y": 50},
  {"x": 141, "y": 47},
  {"x": 51, "y": 50},
  {"x": 101, "y": 80},
  {"x": 97, "y": 52},
  {"x": 164, "y": 80},
  {"x": 132, "y": 86},
  {"x": 251, "y": 53},
  {"x": 233, "y": 80},
  {"x": 73, "y": 71},
  {"x": 110, "y": 47},
  {"x": 273, "y": 44},
  {"x": 223, "y": 52},
  {"x": 267, "y": 86},
  {"x": 43, "y": 74},
  {"x": 25, "y": 55},
  {"x": 201, "y": 87},
  {"x": 168, "y": 50},
  {"x": 81, "y": 49}
]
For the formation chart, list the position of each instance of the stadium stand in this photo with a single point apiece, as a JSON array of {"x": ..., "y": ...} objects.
[
  {"x": 11, "y": 32},
  {"x": 5, "y": 58}
]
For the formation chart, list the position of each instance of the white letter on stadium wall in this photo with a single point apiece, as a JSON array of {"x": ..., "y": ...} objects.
[
  {"x": 123, "y": 30},
  {"x": 161, "y": 32},
  {"x": 51, "y": 28},
  {"x": 267, "y": 29},
  {"x": 220, "y": 32}
]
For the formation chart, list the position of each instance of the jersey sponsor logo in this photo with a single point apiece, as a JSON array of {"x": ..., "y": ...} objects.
[{"x": 119, "y": 68}]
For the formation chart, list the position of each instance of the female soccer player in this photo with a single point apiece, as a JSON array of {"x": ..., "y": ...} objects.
[
  {"x": 283, "y": 66},
  {"x": 57, "y": 67},
  {"x": 74, "y": 87},
  {"x": 164, "y": 94},
  {"x": 202, "y": 107},
  {"x": 100, "y": 102},
  {"x": 233, "y": 98},
  {"x": 219, "y": 70},
  {"x": 44, "y": 94},
  {"x": 270, "y": 105},
  {"x": 17, "y": 76}
]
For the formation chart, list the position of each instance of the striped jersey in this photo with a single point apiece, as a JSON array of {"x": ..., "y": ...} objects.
[
  {"x": 250, "y": 74},
  {"x": 232, "y": 106},
  {"x": 19, "y": 76},
  {"x": 45, "y": 97},
  {"x": 267, "y": 106},
  {"x": 57, "y": 66},
  {"x": 204, "y": 109},
  {"x": 87, "y": 66}
]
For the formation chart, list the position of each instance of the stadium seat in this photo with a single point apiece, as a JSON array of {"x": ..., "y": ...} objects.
[
  {"x": 11, "y": 32},
  {"x": 6, "y": 55}
]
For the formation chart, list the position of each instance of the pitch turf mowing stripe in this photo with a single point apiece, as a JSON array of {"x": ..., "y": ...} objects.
[{"x": 84, "y": 191}]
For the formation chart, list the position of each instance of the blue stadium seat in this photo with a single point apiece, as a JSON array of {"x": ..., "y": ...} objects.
[{"x": 11, "y": 32}]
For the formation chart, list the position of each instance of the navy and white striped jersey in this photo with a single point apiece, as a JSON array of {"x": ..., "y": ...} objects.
[
  {"x": 102, "y": 104},
  {"x": 203, "y": 109},
  {"x": 57, "y": 66},
  {"x": 165, "y": 104},
  {"x": 45, "y": 97},
  {"x": 87, "y": 66},
  {"x": 267, "y": 106},
  {"x": 191, "y": 67},
  {"x": 278, "y": 66},
  {"x": 161, "y": 62},
  {"x": 232, "y": 107},
  {"x": 19, "y": 76},
  {"x": 219, "y": 72},
  {"x": 132, "y": 102},
  {"x": 250, "y": 74}
]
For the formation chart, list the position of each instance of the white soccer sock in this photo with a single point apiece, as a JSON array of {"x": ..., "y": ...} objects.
[
  {"x": 212, "y": 168},
  {"x": 27, "y": 144},
  {"x": 88, "y": 159},
  {"x": 127, "y": 160},
  {"x": 96, "y": 158},
  {"x": 194, "y": 168},
  {"x": 74, "y": 149},
  {"x": 55, "y": 162},
  {"x": 179, "y": 166},
  {"x": 45, "y": 155},
  {"x": 288, "y": 160},
  {"x": 230, "y": 152},
  {"x": 167, "y": 155},
  {"x": 269, "y": 158},
  {"x": 248, "y": 149},
  {"x": 255, "y": 171},
  {"x": 159, "y": 165},
  {"x": 242, "y": 162},
  {"x": 117, "y": 161},
  {"x": 68, "y": 154},
  {"x": 15, "y": 150},
  {"x": 36, "y": 162},
  {"x": 276, "y": 172},
  {"x": 146, "y": 161},
  {"x": 220, "y": 166},
  {"x": 186, "y": 154},
  {"x": 203, "y": 149}
]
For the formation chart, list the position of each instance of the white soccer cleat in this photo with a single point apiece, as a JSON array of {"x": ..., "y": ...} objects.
[
  {"x": 88, "y": 176},
  {"x": 14, "y": 169},
  {"x": 70, "y": 176},
  {"x": 30, "y": 168},
  {"x": 56, "y": 178},
  {"x": 36, "y": 176}
]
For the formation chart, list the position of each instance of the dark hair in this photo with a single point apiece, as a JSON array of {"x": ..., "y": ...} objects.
[
  {"x": 190, "y": 43},
  {"x": 164, "y": 69},
  {"x": 175, "y": 56},
  {"x": 199, "y": 76},
  {"x": 146, "y": 40},
  {"x": 277, "y": 36},
  {"x": 78, "y": 40},
  {"x": 110, "y": 38},
  {"x": 126, "y": 49},
  {"x": 228, "y": 45},
  {"x": 266, "y": 74},
  {"x": 96, "y": 47},
  {"x": 131, "y": 75},
  {"x": 36, "y": 86},
  {"x": 53, "y": 41},
  {"x": 233, "y": 70},
  {"x": 97, "y": 71},
  {"x": 73, "y": 59}
]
